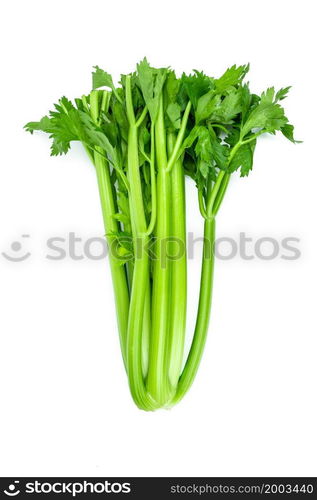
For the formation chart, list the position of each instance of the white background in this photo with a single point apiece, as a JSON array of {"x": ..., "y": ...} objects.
[{"x": 65, "y": 405}]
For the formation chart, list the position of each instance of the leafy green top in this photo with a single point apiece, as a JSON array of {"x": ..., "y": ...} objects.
[{"x": 218, "y": 133}]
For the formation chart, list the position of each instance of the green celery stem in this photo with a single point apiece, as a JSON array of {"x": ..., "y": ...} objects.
[
  {"x": 178, "y": 294},
  {"x": 157, "y": 380},
  {"x": 140, "y": 280},
  {"x": 118, "y": 273},
  {"x": 203, "y": 314}
]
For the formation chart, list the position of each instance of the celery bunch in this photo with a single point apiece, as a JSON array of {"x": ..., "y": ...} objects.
[{"x": 143, "y": 137}]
